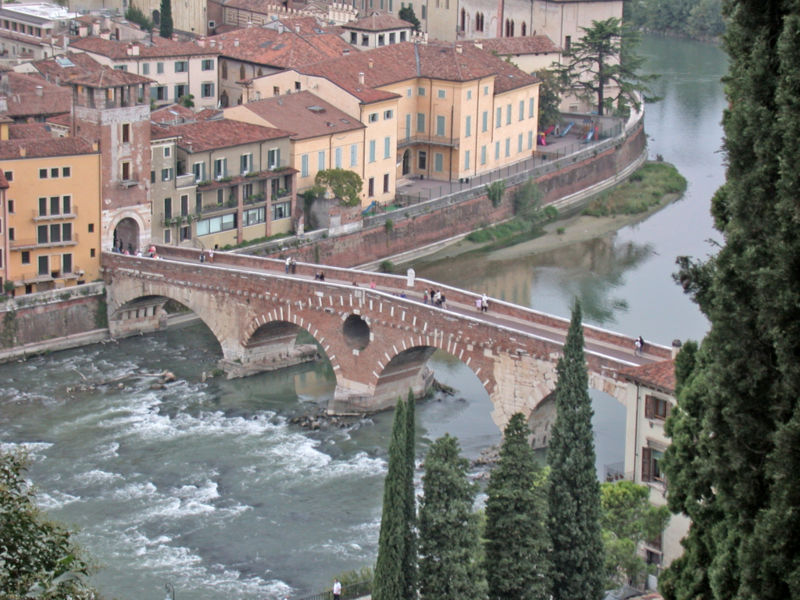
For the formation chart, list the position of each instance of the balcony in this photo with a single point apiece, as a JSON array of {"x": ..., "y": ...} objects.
[
  {"x": 73, "y": 214},
  {"x": 433, "y": 140},
  {"x": 184, "y": 181},
  {"x": 229, "y": 181},
  {"x": 33, "y": 244}
]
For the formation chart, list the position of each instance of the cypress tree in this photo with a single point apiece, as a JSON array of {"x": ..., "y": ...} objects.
[
  {"x": 516, "y": 540},
  {"x": 165, "y": 27},
  {"x": 390, "y": 580},
  {"x": 448, "y": 528},
  {"x": 410, "y": 557},
  {"x": 733, "y": 463},
  {"x": 574, "y": 493}
]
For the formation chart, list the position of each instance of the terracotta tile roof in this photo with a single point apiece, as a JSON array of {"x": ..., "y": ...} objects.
[
  {"x": 307, "y": 25},
  {"x": 285, "y": 50},
  {"x": 220, "y": 133},
  {"x": 24, "y": 100},
  {"x": 65, "y": 146},
  {"x": 532, "y": 44},
  {"x": 658, "y": 375},
  {"x": 377, "y": 21},
  {"x": 29, "y": 131},
  {"x": 401, "y": 62},
  {"x": 63, "y": 68},
  {"x": 64, "y": 120},
  {"x": 304, "y": 114},
  {"x": 208, "y": 113},
  {"x": 157, "y": 48},
  {"x": 174, "y": 114},
  {"x": 108, "y": 77}
]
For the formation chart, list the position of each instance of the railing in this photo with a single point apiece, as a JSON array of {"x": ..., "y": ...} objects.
[
  {"x": 27, "y": 244},
  {"x": 349, "y": 592},
  {"x": 434, "y": 140},
  {"x": 72, "y": 214},
  {"x": 185, "y": 180}
]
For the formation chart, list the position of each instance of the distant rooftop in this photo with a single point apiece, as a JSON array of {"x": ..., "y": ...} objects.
[{"x": 38, "y": 12}]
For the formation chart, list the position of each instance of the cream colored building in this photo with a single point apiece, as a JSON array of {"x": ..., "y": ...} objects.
[{"x": 450, "y": 111}]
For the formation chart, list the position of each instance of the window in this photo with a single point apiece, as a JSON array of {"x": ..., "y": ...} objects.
[
  {"x": 274, "y": 158},
  {"x": 55, "y": 205},
  {"x": 167, "y": 151},
  {"x": 297, "y": 86},
  {"x": 440, "y": 125},
  {"x": 126, "y": 170},
  {"x": 184, "y": 205},
  {"x": 207, "y": 64},
  {"x": 441, "y": 94},
  {"x": 152, "y": 176},
  {"x": 387, "y": 147},
  {"x": 121, "y": 67},
  {"x": 483, "y": 155},
  {"x": 353, "y": 155},
  {"x": 468, "y": 126},
  {"x": 43, "y": 173},
  {"x": 409, "y": 92},
  {"x": 485, "y": 121},
  {"x": 220, "y": 168},
  {"x": 66, "y": 205},
  {"x": 145, "y": 68},
  {"x": 207, "y": 90},
  {"x": 254, "y": 216},
  {"x": 421, "y": 91},
  {"x": 198, "y": 202},
  {"x": 373, "y": 118},
  {"x": 372, "y": 151},
  {"x": 181, "y": 90},
  {"x": 167, "y": 236},
  {"x": 567, "y": 43},
  {"x": 26, "y": 257},
  {"x": 353, "y": 38},
  {"x": 486, "y": 90},
  {"x": 159, "y": 68},
  {"x": 337, "y": 163},
  {"x": 10, "y": 175},
  {"x": 371, "y": 187},
  {"x": 246, "y": 163},
  {"x": 158, "y": 92},
  {"x": 199, "y": 170},
  {"x": 66, "y": 263},
  {"x": 91, "y": 227},
  {"x": 42, "y": 207},
  {"x": 408, "y": 126},
  {"x": 11, "y": 233},
  {"x": 388, "y": 114},
  {"x": 508, "y": 114},
  {"x": 402, "y": 35},
  {"x": 466, "y": 159},
  {"x": 392, "y": 38},
  {"x": 364, "y": 39},
  {"x": 469, "y": 94},
  {"x": 381, "y": 39},
  {"x": 55, "y": 232},
  {"x": 420, "y": 122},
  {"x": 65, "y": 172},
  {"x": 181, "y": 66},
  {"x": 281, "y": 210},
  {"x": 531, "y": 107},
  {"x": 652, "y": 464},
  {"x": 422, "y": 160},
  {"x": 44, "y": 265},
  {"x": 167, "y": 208},
  {"x": 497, "y": 150},
  {"x": 386, "y": 183},
  {"x": 521, "y": 110},
  {"x": 220, "y": 196},
  {"x": 11, "y": 206},
  {"x": 321, "y": 160},
  {"x": 438, "y": 162},
  {"x": 508, "y": 146},
  {"x": 166, "y": 174},
  {"x": 216, "y": 224},
  {"x": 54, "y": 172},
  {"x": 656, "y": 408},
  {"x": 519, "y": 142},
  {"x": 91, "y": 252},
  {"x": 530, "y": 140},
  {"x": 304, "y": 165},
  {"x": 424, "y": 12},
  {"x": 499, "y": 119}
]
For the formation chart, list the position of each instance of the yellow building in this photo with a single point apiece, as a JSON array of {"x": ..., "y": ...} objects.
[
  {"x": 51, "y": 211},
  {"x": 449, "y": 111}
]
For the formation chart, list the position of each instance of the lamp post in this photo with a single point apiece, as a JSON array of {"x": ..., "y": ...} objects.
[{"x": 170, "y": 591}]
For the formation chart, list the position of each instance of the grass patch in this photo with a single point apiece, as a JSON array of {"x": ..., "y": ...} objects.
[
  {"x": 496, "y": 232},
  {"x": 254, "y": 241},
  {"x": 645, "y": 189}
]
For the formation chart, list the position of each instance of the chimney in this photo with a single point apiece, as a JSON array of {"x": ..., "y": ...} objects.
[
  {"x": 213, "y": 42},
  {"x": 236, "y": 43},
  {"x": 479, "y": 45},
  {"x": 297, "y": 28},
  {"x": 371, "y": 63},
  {"x": 201, "y": 41},
  {"x": 133, "y": 49},
  {"x": 23, "y": 151},
  {"x": 459, "y": 49},
  {"x": 361, "y": 78},
  {"x": 39, "y": 90},
  {"x": 676, "y": 347}
]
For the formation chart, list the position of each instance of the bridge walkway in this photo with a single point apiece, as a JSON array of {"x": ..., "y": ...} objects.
[{"x": 598, "y": 341}]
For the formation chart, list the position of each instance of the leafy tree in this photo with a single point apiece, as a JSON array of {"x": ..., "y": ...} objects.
[
  {"x": 38, "y": 557},
  {"x": 165, "y": 27},
  {"x": 187, "y": 100},
  {"x": 448, "y": 529},
  {"x": 517, "y": 564},
  {"x": 135, "y": 15},
  {"x": 705, "y": 19},
  {"x": 574, "y": 494},
  {"x": 603, "y": 68},
  {"x": 549, "y": 98},
  {"x": 410, "y": 558},
  {"x": 390, "y": 581},
  {"x": 734, "y": 459},
  {"x": 628, "y": 520},
  {"x": 344, "y": 184},
  {"x": 407, "y": 14}
]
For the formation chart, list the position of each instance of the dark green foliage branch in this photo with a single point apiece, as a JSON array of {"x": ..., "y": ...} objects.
[
  {"x": 449, "y": 568},
  {"x": 37, "y": 557},
  {"x": 574, "y": 493},
  {"x": 165, "y": 27},
  {"x": 602, "y": 67},
  {"x": 410, "y": 556},
  {"x": 695, "y": 18},
  {"x": 407, "y": 14},
  {"x": 135, "y": 15},
  {"x": 735, "y": 456},
  {"x": 516, "y": 543},
  {"x": 390, "y": 580},
  {"x": 549, "y": 98},
  {"x": 344, "y": 184}
]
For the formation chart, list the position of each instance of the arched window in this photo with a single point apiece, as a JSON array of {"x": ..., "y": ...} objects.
[
  {"x": 479, "y": 21},
  {"x": 524, "y": 29},
  {"x": 260, "y": 72},
  {"x": 223, "y": 67},
  {"x": 463, "y": 20},
  {"x": 241, "y": 72}
]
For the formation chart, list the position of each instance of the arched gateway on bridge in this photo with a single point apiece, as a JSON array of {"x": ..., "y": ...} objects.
[{"x": 377, "y": 341}]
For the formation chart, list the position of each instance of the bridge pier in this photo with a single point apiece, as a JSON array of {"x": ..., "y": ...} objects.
[{"x": 144, "y": 315}]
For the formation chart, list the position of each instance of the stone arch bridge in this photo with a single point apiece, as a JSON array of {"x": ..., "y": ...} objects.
[{"x": 374, "y": 328}]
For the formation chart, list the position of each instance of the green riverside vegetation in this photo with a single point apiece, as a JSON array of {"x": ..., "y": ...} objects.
[{"x": 648, "y": 187}]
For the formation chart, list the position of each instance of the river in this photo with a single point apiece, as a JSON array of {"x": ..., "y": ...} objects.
[{"x": 208, "y": 486}]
